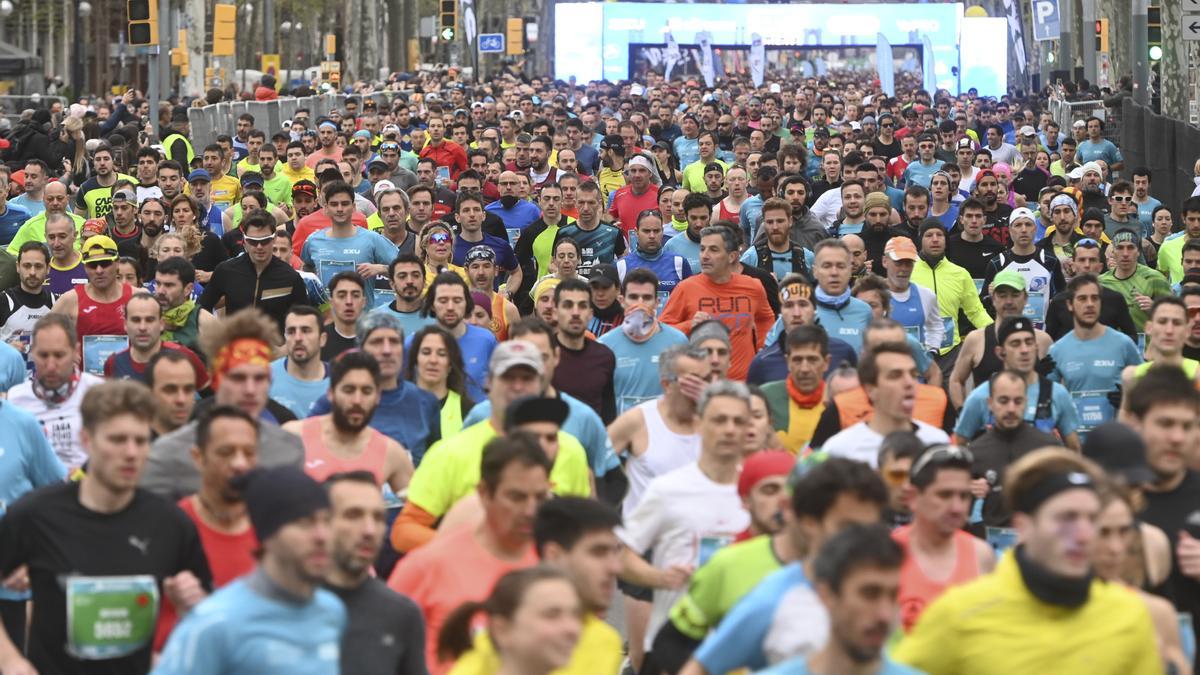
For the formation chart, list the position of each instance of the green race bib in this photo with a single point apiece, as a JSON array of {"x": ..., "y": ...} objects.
[{"x": 110, "y": 617}]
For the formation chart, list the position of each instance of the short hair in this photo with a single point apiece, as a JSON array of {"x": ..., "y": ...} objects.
[
  {"x": 169, "y": 355},
  {"x": 207, "y": 418},
  {"x": 1122, "y": 186},
  {"x": 728, "y": 238},
  {"x": 639, "y": 275},
  {"x": 465, "y": 197},
  {"x": 900, "y": 445},
  {"x": 804, "y": 336},
  {"x": 694, "y": 200},
  {"x": 177, "y": 266},
  {"x": 868, "y": 367},
  {"x": 1161, "y": 385},
  {"x": 1032, "y": 468},
  {"x": 722, "y": 389},
  {"x": 352, "y": 277},
  {"x": 354, "y": 359},
  {"x": 405, "y": 259},
  {"x": 108, "y": 400},
  {"x": 569, "y": 286},
  {"x": 1172, "y": 300},
  {"x": 777, "y": 204},
  {"x": 668, "y": 360},
  {"x": 337, "y": 187},
  {"x": 566, "y": 520},
  {"x": 34, "y": 246},
  {"x": 517, "y": 447},
  {"x": 55, "y": 320},
  {"x": 1191, "y": 204},
  {"x": 1140, "y": 172},
  {"x": 829, "y": 243},
  {"x": 974, "y": 204},
  {"x": 532, "y": 325},
  {"x": 816, "y": 491},
  {"x": 1079, "y": 282},
  {"x": 258, "y": 219},
  {"x": 142, "y": 294},
  {"x": 918, "y": 192},
  {"x": 874, "y": 282},
  {"x": 854, "y": 547}
]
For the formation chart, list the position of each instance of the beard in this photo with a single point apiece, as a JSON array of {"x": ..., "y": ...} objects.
[{"x": 341, "y": 419}]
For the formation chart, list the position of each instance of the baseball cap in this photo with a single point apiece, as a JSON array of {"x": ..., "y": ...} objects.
[
  {"x": 378, "y": 164},
  {"x": 612, "y": 142},
  {"x": 124, "y": 196},
  {"x": 1076, "y": 173},
  {"x": 1014, "y": 324},
  {"x": 1028, "y": 131},
  {"x": 305, "y": 187},
  {"x": 535, "y": 409},
  {"x": 513, "y": 354},
  {"x": 1021, "y": 213},
  {"x": 965, "y": 142},
  {"x": 901, "y": 248},
  {"x": 1009, "y": 278},
  {"x": 1119, "y": 450},
  {"x": 199, "y": 174},
  {"x": 604, "y": 273},
  {"x": 390, "y": 129},
  {"x": 253, "y": 178},
  {"x": 480, "y": 253},
  {"x": 383, "y": 185},
  {"x": 99, "y": 249}
]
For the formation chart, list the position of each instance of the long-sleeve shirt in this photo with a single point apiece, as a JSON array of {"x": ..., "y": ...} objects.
[{"x": 740, "y": 303}]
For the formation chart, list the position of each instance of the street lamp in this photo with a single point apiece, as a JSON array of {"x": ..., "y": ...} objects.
[
  {"x": 6, "y": 10},
  {"x": 82, "y": 11}
]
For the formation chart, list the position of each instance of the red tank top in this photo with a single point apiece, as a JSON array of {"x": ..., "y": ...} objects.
[
  {"x": 101, "y": 318},
  {"x": 320, "y": 462},
  {"x": 725, "y": 213},
  {"x": 918, "y": 590}
]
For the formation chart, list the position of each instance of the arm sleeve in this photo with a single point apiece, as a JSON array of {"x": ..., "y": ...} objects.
[
  {"x": 414, "y": 528},
  {"x": 675, "y": 314},
  {"x": 1067, "y": 419},
  {"x": 970, "y": 418}
]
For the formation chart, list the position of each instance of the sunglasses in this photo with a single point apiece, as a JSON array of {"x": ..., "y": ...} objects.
[
  {"x": 439, "y": 238},
  {"x": 895, "y": 477},
  {"x": 258, "y": 241},
  {"x": 1121, "y": 199},
  {"x": 940, "y": 455},
  {"x": 100, "y": 264}
]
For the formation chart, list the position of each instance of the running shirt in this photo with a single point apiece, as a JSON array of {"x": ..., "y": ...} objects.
[
  {"x": 668, "y": 267},
  {"x": 61, "y": 422},
  {"x": 1143, "y": 281},
  {"x": 636, "y": 379},
  {"x": 716, "y": 587},
  {"x": 665, "y": 451},
  {"x": 684, "y": 518},
  {"x": 95, "y": 198},
  {"x": 476, "y": 346},
  {"x": 19, "y": 311},
  {"x": 602, "y": 245},
  {"x": 861, "y": 443},
  {"x": 740, "y": 303},
  {"x": 321, "y": 461},
  {"x": 410, "y": 321},
  {"x": 1090, "y": 369},
  {"x": 1043, "y": 278},
  {"x": 917, "y": 310},
  {"x": 295, "y": 394},
  {"x": 63, "y": 279},
  {"x": 506, "y": 260},
  {"x": 10, "y": 221},
  {"x": 975, "y": 416},
  {"x": 329, "y": 255},
  {"x": 917, "y": 590},
  {"x": 407, "y": 414},
  {"x": 101, "y": 318},
  {"x": 685, "y": 247}
]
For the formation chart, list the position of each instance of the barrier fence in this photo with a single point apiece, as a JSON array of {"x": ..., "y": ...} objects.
[
  {"x": 211, "y": 121},
  {"x": 1168, "y": 147}
]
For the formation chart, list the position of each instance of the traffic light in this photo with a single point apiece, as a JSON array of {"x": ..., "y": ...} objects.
[
  {"x": 1154, "y": 33},
  {"x": 224, "y": 29},
  {"x": 1102, "y": 35},
  {"x": 448, "y": 20},
  {"x": 143, "y": 22}
]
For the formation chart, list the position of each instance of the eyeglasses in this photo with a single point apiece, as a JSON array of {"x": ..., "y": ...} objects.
[
  {"x": 439, "y": 238},
  {"x": 100, "y": 264},
  {"x": 258, "y": 241}
]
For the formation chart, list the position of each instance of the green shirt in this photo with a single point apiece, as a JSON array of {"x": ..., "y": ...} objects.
[
  {"x": 693, "y": 175},
  {"x": 1170, "y": 258},
  {"x": 724, "y": 580},
  {"x": 450, "y": 469},
  {"x": 278, "y": 189},
  {"x": 1144, "y": 281},
  {"x": 34, "y": 229}
]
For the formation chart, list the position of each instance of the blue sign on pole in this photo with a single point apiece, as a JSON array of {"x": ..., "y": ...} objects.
[
  {"x": 1046, "y": 24},
  {"x": 491, "y": 43}
]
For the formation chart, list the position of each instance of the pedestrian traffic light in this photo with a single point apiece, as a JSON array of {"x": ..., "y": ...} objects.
[
  {"x": 1154, "y": 33},
  {"x": 1102, "y": 35},
  {"x": 448, "y": 20},
  {"x": 143, "y": 22},
  {"x": 224, "y": 30}
]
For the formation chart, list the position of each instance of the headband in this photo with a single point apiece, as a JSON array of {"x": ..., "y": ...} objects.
[
  {"x": 795, "y": 290},
  {"x": 240, "y": 352},
  {"x": 1064, "y": 200},
  {"x": 1050, "y": 486},
  {"x": 1123, "y": 236}
]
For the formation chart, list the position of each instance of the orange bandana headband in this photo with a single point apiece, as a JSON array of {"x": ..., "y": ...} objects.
[
  {"x": 795, "y": 291},
  {"x": 240, "y": 352}
]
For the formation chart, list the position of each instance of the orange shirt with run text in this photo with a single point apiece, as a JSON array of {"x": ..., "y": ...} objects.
[{"x": 740, "y": 303}]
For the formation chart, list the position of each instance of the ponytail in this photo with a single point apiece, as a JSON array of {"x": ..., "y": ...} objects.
[{"x": 454, "y": 639}]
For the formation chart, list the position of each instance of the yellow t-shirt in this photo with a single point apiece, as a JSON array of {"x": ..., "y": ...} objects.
[
  {"x": 304, "y": 173},
  {"x": 802, "y": 422},
  {"x": 598, "y": 652},
  {"x": 226, "y": 191},
  {"x": 450, "y": 469}
]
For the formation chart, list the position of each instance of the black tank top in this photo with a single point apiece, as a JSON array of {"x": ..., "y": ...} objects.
[{"x": 989, "y": 364}]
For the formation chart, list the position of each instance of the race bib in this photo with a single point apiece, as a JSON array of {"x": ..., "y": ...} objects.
[
  {"x": 1094, "y": 409},
  {"x": 1001, "y": 539},
  {"x": 110, "y": 617},
  {"x": 949, "y": 331},
  {"x": 97, "y": 349},
  {"x": 1035, "y": 309},
  {"x": 709, "y": 545}
]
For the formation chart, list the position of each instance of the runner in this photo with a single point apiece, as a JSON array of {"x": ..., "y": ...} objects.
[
  {"x": 1139, "y": 284},
  {"x": 300, "y": 377},
  {"x": 104, "y": 543},
  {"x": 143, "y": 331},
  {"x": 22, "y": 305},
  {"x": 278, "y": 606},
  {"x": 448, "y": 300},
  {"x": 796, "y": 403},
  {"x": 342, "y": 440},
  {"x": 598, "y": 242},
  {"x": 639, "y": 341}
]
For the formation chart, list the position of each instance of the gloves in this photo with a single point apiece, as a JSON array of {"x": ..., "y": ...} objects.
[
  {"x": 1045, "y": 366},
  {"x": 1114, "y": 397}
]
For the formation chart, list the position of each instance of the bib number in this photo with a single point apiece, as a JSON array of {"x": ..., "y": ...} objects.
[{"x": 110, "y": 617}]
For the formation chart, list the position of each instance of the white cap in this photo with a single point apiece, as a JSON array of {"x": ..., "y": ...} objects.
[
  {"x": 1028, "y": 131},
  {"x": 381, "y": 186},
  {"x": 774, "y": 88},
  {"x": 1079, "y": 124},
  {"x": 1076, "y": 173},
  {"x": 636, "y": 90},
  {"x": 389, "y": 129}
]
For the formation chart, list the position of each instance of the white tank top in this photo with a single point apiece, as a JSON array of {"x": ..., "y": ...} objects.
[{"x": 665, "y": 451}]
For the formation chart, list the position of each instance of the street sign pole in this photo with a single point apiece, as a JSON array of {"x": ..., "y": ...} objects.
[{"x": 1141, "y": 58}]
